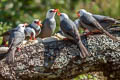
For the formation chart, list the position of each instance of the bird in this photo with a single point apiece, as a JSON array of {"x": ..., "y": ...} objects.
[
  {"x": 89, "y": 22},
  {"x": 6, "y": 36},
  {"x": 49, "y": 24},
  {"x": 33, "y": 29},
  {"x": 16, "y": 38},
  {"x": 105, "y": 21},
  {"x": 70, "y": 31}
]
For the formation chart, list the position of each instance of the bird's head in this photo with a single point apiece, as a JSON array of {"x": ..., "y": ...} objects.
[
  {"x": 36, "y": 22},
  {"x": 63, "y": 16},
  {"x": 81, "y": 12},
  {"x": 21, "y": 27},
  {"x": 51, "y": 13}
]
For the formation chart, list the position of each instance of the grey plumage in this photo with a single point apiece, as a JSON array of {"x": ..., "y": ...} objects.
[
  {"x": 77, "y": 23},
  {"x": 30, "y": 32},
  {"x": 71, "y": 32},
  {"x": 16, "y": 37},
  {"x": 89, "y": 22},
  {"x": 49, "y": 24},
  {"x": 105, "y": 21},
  {"x": 48, "y": 28},
  {"x": 33, "y": 29},
  {"x": 6, "y": 36},
  {"x": 36, "y": 25}
]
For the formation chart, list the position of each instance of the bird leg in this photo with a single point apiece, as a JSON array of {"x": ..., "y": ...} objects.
[
  {"x": 34, "y": 38},
  {"x": 30, "y": 37},
  {"x": 18, "y": 49},
  {"x": 93, "y": 32},
  {"x": 65, "y": 39},
  {"x": 88, "y": 33},
  {"x": 4, "y": 42},
  {"x": 96, "y": 31}
]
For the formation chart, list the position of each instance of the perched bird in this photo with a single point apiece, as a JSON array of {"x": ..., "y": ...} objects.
[
  {"x": 71, "y": 32},
  {"x": 105, "y": 21},
  {"x": 6, "y": 36},
  {"x": 49, "y": 24},
  {"x": 16, "y": 37},
  {"x": 33, "y": 29},
  {"x": 89, "y": 22}
]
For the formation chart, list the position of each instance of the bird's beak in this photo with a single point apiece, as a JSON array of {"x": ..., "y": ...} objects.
[
  {"x": 25, "y": 24},
  {"x": 55, "y": 10},
  {"x": 78, "y": 14},
  {"x": 58, "y": 13},
  {"x": 39, "y": 23}
]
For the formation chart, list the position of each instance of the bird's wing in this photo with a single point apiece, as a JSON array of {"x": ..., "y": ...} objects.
[
  {"x": 69, "y": 28},
  {"x": 16, "y": 38},
  {"x": 101, "y": 18},
  {"x": 91, "y": 21},
  {"x": 7, "y": 32},
  {"x": 46, "y": 23}
]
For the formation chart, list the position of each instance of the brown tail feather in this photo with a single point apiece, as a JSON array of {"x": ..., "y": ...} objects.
[
  {"x": 84, "y": 52},
  {"x": 107, "y": 33}
]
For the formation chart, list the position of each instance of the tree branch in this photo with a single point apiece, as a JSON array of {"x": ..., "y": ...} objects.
[{"x": 58, "y": 59}]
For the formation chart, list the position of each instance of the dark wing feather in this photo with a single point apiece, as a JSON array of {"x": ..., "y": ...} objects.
[
  {"x": 101, "y": 18},
  {"x": 68, "y": 27}
]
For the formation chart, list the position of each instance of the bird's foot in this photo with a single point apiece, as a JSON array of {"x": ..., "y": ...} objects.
[
  {"x": 88, "y": 33},
  {"x": 6, "y": 45},
  {"x": 34, "y": 38},
  {"x": 18, "y": 49},
  {"x": 65, "y": 39},
  {"x": 30, "y": 39}
]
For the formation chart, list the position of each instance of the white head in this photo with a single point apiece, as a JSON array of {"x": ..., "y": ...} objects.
[
  {"x": 63, "y": 16},
  {"x": 51, "y": 13},
  {"x": 21, "y": 27},
  {"x": 81, "y": 12},
  {"x": 36, "y": 22}
]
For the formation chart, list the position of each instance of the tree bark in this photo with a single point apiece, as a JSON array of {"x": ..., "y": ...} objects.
[{"x": 59, "y": 59}]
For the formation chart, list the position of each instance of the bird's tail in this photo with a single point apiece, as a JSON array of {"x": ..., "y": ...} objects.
[
  {"x": 10, "y": 56},
  {"x": 82, "y": 48},
  {"x": 114, "y": 28},
  {"x": 107, "y": 33},
  {"x": 11, "y": 52},
  {"x": 117, "y": 22}
]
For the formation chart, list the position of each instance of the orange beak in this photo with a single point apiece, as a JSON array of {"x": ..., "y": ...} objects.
[
  {"x": 78, "y": 14},
  {"x": 39, "y": 23},
  {"x": 58, "y": 13},
  {"x": 55, "y": 10}
]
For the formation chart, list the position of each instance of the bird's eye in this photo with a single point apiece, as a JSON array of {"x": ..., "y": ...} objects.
[
  {"x": 51, "y": 11},
  {"x": 35, "y": 22}
]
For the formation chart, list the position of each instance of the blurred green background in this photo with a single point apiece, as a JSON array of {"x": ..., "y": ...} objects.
[{"x": 13, "y": 12}]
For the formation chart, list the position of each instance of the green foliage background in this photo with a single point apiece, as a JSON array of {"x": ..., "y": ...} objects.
[{"x": 13, "y": 12}]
